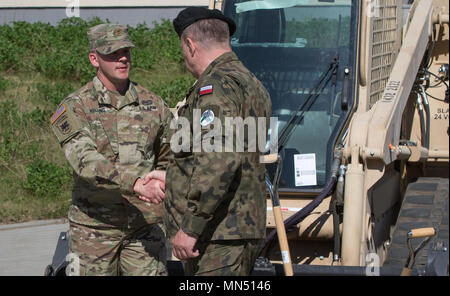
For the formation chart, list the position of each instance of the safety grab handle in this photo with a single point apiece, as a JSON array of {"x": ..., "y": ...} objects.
[{"x": 421, "y": 232}]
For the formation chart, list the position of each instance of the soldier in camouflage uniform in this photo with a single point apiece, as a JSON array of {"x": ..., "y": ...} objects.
[
  {"x": 215, "y": 203},
  {"x": 111, "y": 132}
]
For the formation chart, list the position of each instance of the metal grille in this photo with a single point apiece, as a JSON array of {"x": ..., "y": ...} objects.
[{"x": 384, "y": 43}]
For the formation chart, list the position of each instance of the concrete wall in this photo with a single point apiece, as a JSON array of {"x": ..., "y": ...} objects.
[
  {"x": 130, "y": 12},
  {"x": 124, "y": 16},
  {"x": 126, "y": 12}
]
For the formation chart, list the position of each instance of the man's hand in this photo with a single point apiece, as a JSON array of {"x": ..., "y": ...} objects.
[
  {"x": 183, "y": 246},
  {"x": 156, "y": 174},
  {"x": 150, "y": 191}
]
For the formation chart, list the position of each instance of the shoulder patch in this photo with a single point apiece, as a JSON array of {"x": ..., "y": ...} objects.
[
  {"x": 205, "y": 90},
  {"x": 207, "y": 117},
  {"x": 64, "y": 126},
  {"x": 64, "y": 123},
  {"x": 58, "y": 113}
]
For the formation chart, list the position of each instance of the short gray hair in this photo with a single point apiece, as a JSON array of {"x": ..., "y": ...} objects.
[{"x": 208, "y": 30}]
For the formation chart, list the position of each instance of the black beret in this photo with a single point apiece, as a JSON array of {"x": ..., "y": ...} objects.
[{"x": 190, "y": 15}]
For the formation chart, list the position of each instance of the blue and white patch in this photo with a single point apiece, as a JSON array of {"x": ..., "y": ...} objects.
[{"x": 207, "y": 117}]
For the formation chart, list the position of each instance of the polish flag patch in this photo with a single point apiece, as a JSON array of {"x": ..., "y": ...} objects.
[{"x": 205, "y": 90}]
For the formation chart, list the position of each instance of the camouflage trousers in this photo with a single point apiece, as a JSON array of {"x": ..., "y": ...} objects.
[
  {"x": 112, "y": 251},
  {"x": 224, "y": 258}
]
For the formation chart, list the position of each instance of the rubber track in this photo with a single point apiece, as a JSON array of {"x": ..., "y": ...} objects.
[{"x": 425, "y": 205}]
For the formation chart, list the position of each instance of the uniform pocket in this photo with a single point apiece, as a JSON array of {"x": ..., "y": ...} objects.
[{"x": 221, "y": 255}]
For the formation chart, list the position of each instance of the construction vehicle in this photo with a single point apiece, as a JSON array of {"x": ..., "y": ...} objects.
[{"x": 361, "y": 97}]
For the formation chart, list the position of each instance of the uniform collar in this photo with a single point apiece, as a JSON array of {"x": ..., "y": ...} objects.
[
  {"x": 113, "y": 98},
  {"x": 222, "y": 59}
]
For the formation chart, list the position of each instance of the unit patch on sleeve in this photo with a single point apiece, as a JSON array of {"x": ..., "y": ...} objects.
[
  {"x": 65, "y": 124},
  {"x": 58, "y": 113},
  {"x": 207, "y": 117},
  {"x": 205, "y": 90}
]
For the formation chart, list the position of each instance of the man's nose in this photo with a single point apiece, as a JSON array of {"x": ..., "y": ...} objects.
[{"x": 123, "y": 58}]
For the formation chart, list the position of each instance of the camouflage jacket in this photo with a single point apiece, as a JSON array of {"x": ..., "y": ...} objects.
[
  {"x": 218, "y": 195},
  {"x": 110, "y": 140}
]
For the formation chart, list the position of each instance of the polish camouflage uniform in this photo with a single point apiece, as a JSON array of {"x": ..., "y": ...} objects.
[
  {"x": 219, "y": 197},
  {"x": 110, "y": 140}
]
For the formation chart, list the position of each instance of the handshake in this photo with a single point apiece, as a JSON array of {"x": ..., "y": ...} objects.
[{"x": 152, "y": 187}]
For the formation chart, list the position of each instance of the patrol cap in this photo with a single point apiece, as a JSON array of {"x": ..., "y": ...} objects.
[
  {"x": 108, "y": 38},
  {"x": 190, "y": 15}
]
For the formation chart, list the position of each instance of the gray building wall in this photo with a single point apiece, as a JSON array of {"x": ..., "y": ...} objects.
[{"x": 123, "y": 15}]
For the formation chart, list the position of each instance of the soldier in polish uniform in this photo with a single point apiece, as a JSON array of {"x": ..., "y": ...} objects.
[
  {"x": 215, "y": 203},
  {"x": 111, "y": 132}
]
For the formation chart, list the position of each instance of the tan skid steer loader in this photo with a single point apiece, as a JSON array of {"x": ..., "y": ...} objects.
[{"x": 360, "y": 90}]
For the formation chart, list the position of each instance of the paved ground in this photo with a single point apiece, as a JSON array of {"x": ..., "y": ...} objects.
[{"x": 27, "y": 248}]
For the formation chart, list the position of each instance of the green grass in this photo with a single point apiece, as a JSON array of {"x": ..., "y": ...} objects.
[{"x": 40, "y": 64}]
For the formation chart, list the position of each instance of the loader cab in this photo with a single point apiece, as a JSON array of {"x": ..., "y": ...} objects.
[{"x": 290, "y": 46}]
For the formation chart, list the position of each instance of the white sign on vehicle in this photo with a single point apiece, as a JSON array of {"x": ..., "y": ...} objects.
[{"x": 305, "y": 169}]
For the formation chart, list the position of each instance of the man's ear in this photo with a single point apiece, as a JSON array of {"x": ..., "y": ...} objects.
[
  {"x": 191, "y": 45},
  {"x": 94, "y": 59}
]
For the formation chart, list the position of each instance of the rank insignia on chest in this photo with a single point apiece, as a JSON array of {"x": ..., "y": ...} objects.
[
  {"x": 205, "y": 90},
  {"x": 58, "y": 113}
]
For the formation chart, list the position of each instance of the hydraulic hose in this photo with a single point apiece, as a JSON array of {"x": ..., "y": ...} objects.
[
  {"x": 300, "y": 215},
  {"x": 337, "y": 202},
  {"x": 442, "y": 80},
  {"x": 304, "y": 212},
  {"x": 423, "y": 128},
  {"x": 428, "y": 115},
  {"x": 336, "y": 236}
]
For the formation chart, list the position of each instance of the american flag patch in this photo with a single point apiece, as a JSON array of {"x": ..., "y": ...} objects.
[
  {"x": 206, "y": 90},
  {"x": 58, "y": 113}
]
